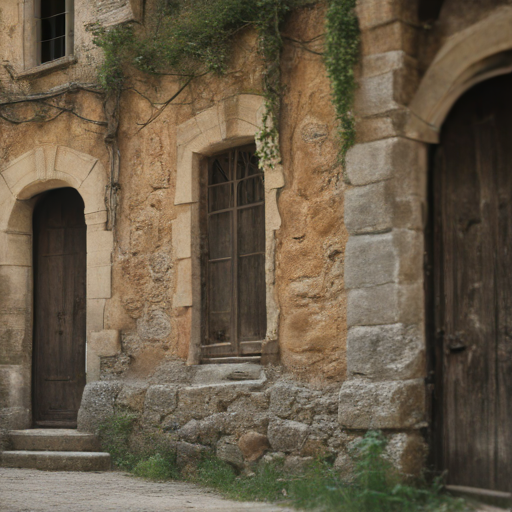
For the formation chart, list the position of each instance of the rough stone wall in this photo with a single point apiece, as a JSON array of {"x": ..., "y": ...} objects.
[
  {"x": 311, "y": 240},
  {"x": 243, "y": 413},
  {"x": 310, "y": 244}
]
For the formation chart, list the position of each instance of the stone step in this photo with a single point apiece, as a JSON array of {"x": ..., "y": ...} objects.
[
  {"x": 53, "y": 439},
  {"x": 56, "y": 461}
]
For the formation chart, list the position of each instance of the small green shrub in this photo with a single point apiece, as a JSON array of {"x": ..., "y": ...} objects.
[
  {"x": 149, "y": 455},
  {"x": 267, "y": 483},
  {"x": 377, "y": 487},
  {"x": 157, "y": 467},
  {"x": 114, "y": 435}
]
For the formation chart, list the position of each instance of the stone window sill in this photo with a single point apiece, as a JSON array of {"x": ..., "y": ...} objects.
[{"x": 47, "y": 67}]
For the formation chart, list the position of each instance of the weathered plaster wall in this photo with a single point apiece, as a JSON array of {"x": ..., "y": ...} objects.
[
  {"x": 311, "y": 241},
  {"x": 142, "y": 328}
]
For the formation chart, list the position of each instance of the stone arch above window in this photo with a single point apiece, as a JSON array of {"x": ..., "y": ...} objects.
[{"x": 233, "y": 122}]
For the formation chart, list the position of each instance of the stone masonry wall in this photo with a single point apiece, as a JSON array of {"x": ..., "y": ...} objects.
[
  {"x": 240, "y": 412},
  {"x": 136, "y": 326}
]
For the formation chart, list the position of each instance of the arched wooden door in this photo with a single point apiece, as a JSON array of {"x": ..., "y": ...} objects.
[
  {"x": 472, "y": 289},
  {"x": 59, "y": 308}
]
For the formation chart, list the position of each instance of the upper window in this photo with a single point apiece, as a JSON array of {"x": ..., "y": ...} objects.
[
  {"x": 54, "y": 19},
  {"x": 234, "y": 290}
]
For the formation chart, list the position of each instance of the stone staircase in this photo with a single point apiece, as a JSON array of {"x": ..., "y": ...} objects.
[{"x": 54, "y": 450}]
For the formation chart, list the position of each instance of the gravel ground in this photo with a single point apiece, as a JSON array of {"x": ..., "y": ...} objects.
[{"x": 29, "y": 490}]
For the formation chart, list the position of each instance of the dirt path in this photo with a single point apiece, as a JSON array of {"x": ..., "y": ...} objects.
[{"x": 27, "y": 490}]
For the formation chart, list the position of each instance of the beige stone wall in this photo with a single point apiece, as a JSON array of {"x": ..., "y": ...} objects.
[
  {"x": 142, "y": 324},
  {"x": 309, "y": 285}
]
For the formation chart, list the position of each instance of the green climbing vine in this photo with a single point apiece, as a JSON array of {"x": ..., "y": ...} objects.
[
  {"x": 190, "y": 38},
  {"x": 341, "y": 56}
]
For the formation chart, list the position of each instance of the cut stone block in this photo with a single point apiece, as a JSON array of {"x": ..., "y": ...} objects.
[
  {"x": 388, "y": 404},
  {"x": 55, "y": 439},
  {"x": 56, "y": 461}
]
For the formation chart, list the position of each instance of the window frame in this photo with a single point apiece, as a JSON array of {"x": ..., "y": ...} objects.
[
  {"x": 236, "y": 349},
  {"x": 32, "y": 35}
]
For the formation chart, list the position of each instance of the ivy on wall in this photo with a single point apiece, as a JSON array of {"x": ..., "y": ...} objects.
[
  {"x": 341, "y": 55},
  {"x": 190, "y": 38}
]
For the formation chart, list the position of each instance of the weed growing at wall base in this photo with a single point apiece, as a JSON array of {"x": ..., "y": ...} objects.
[{"x": 375, "y": 486}]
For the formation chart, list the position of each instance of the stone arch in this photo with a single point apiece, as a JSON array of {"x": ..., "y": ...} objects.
[
  {"x": 234, "y": 121},
  {"x": 473, "y": 55},
  {"x": 41, "y": 169}
]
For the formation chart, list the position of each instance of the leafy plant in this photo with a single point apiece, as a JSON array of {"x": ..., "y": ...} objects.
[
  {"x": 376, "y": 487},
  {"x": 341, "y": 56},
  {"x": 114, "y": 435},
  {"x": 265, "y": 484},
  {"x": 157, "y": 467}
]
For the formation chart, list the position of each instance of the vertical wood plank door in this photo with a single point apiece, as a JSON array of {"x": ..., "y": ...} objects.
[
  {"x": 472, "y": 283},
  {"x": 59, "y": 308}
]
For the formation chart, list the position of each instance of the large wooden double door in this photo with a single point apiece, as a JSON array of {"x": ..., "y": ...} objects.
[
  {"x": 59, "y": 308},
  {"x": 471, "y": 313}
]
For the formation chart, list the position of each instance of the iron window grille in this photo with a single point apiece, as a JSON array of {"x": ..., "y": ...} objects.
[{"x": 54, "y": 22}]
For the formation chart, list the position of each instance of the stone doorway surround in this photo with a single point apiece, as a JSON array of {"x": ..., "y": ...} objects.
[
  {"x": 41, "y": 169},
  {"x": 233, "y": 122},
  {"x": 386, "y": 212}
]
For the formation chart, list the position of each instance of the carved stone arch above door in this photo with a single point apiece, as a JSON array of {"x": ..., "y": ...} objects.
[{"x": 39, "y": 170}]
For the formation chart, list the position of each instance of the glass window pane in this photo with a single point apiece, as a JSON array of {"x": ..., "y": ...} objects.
[
  {"x": 219, "y": 236},
  {"x": 220, "y": 169},
  {"x": 220, "y": 197},
  {"x": 247, "y": 164},
  {"x": 220, "y": 286},
  {"x": 220, "y": 328},
  {"x": 251, "y": 230},
  {"x": 251, "y": 191},
  {"x": 52, "y": 7},
  {"x": 219, "y": 292},
  {"x": 252, "y": 310}
]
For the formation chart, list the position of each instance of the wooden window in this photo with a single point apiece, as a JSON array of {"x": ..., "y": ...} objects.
[
  {"x": 234, "y": 291},
  {"x": 54, "y": 22}
]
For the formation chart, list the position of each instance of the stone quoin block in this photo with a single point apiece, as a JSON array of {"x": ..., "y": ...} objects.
[
  {"x": 379, "y": 160},
  {"x": 97, "y": 405},
  {"x": 105, "y": 343},
  {"x": 373, "y": 260},
  {"x": 407, "y": 451},
  {"x": 386, "y": 304},
  {"x": 385, "y": 404},
  {"x": 99, "y": 282},
  {"x": 393, "y": 36},
  {"x": 15, "y": 249},
  {"x": 386, "y": 352},
  {"x": 382, "y": 63},
  {"x": 372, "y": 13},
  {"x": 368, "y": 209}
]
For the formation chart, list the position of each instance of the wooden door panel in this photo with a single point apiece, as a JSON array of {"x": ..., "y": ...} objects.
[
  {"x": 60, "y": 308},
  {"x": 472, "y": 253}
]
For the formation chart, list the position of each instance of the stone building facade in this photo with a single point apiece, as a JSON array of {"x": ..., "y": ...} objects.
[{"x": 346, "y": 346}]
